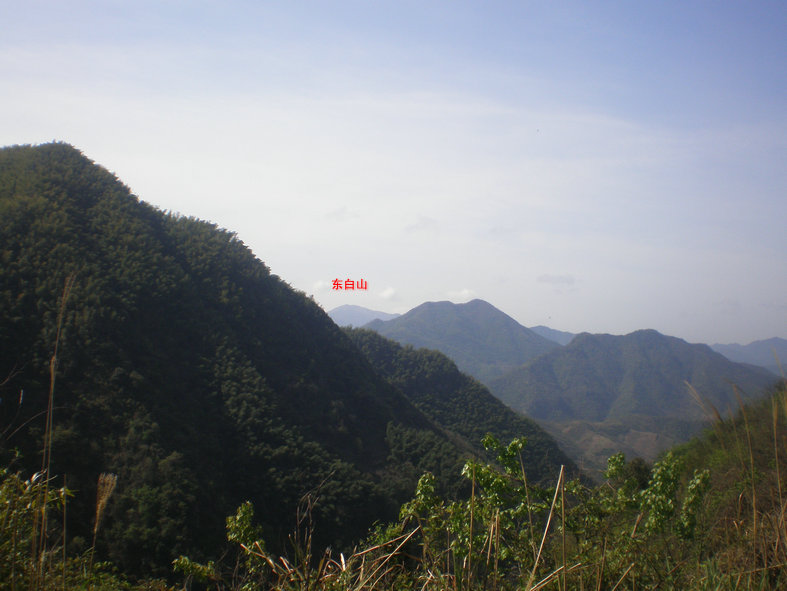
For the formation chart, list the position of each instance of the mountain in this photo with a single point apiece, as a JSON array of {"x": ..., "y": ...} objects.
[
  {"x": 604, "y": 393},
  {"x": 482, "y": 340},
  {"x": 559, "y": 336},
  {"x": 350, "y": 315},
  {"x": 458, "y": 402},
  {"x": 770, "y": 353},
  {"x": 186, "y": 368}
]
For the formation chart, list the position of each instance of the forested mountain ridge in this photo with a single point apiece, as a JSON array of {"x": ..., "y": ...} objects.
[
  {"x": 185, "y": 367},
  {"x": 458, "y": 402},
  {"x": 483, "y": 341},
  {"x": 603, "y": 393},
  {"x": 599, "y": 377}
]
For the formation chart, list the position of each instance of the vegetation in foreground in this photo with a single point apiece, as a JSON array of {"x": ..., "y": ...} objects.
[{"x": 709, "y": 515}]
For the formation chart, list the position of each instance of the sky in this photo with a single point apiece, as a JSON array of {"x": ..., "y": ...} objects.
[{"x": 589, "y": 166}]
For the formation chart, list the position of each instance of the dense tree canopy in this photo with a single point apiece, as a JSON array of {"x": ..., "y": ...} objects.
[{"x": 458, "y": 402}]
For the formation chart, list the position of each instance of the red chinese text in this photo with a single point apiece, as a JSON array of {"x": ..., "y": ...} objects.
[{"x": 350, "y": 284}]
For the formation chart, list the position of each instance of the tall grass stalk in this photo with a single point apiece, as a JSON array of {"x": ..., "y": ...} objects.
[
  {"x": 529, "y": 585},
  {"x": 563, "y": 528},
  {"x": 623, "y": 576},
  {"x": 780, "y": 520},
  {"x": 751, "y": 474},
  {"x": 40, "y": 528},
  {"x": 104, "y": 489},
  {"x": 532, "y": 537},
  {"x": 494, "y": 538},
  {"x": 553, "y": 576},
  {"x": 402, "y": 541},
  {"x": 469, "y": 567},
  {"x": 710, "y": 411},
  {"x": 63, "y": 492},
  {"x": 603, "y": 563}
]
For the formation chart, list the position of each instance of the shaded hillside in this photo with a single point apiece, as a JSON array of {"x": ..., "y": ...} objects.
[
  {"x": 603, "y": 392},
  {"x": 185, "y": 367},
  {"x": 351, "y": 315},
  {"x": 482, "y": 340},
  {"x": 769, "y": 353},
  {"x": 458, "y": 402}
]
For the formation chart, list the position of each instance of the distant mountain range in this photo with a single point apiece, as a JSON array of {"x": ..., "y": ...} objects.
[
  {"x": 770, "y": 353},
  {"x": 600, "y": 377},
  {"x": 603, "y": 393},
  {"x": 357, "y": 316},
  {"x": 482, "y": 340},
  {"x": 597, "y": 394}
]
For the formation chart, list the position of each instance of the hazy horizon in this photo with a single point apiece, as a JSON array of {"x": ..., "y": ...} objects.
[{"x": 587, "y": 166}]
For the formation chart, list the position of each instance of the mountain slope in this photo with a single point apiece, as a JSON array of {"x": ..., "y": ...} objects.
[
  {"x": 458, "y": 402},
  {"x": 351, "y": 315},
  {"x": 482, "y": 340},
  {"x": 599, "y": 377},
  {"x": 185, "y": 367},
  {"x": 768, "y": 353},
  {"x": 603, "y": 392}
]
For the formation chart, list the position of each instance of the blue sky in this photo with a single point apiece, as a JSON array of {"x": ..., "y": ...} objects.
[{"x": 592, "y": 166}]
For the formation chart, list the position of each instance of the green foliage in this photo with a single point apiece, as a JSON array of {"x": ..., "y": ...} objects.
[
  {"x": 194, "y": 571},
  {"x": 240, "y": 528},
  {"x": 487, "y": 538},
  {"x": 620, "y": 534},
  {"x": 658, "y": 500},
  {"x": 695, "y": 490},
  {"x": 21, "y": 503},
  {"x": 22, "y": 566},
  {"x": 248, "y": 572}
]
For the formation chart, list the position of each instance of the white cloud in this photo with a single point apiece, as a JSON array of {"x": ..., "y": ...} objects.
[
  {"x": 389, "y": 293},
  {"x": 321, "y": 286}
]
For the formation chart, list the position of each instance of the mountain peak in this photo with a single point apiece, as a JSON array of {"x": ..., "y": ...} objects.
[{"x": 481, "y": 339}]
